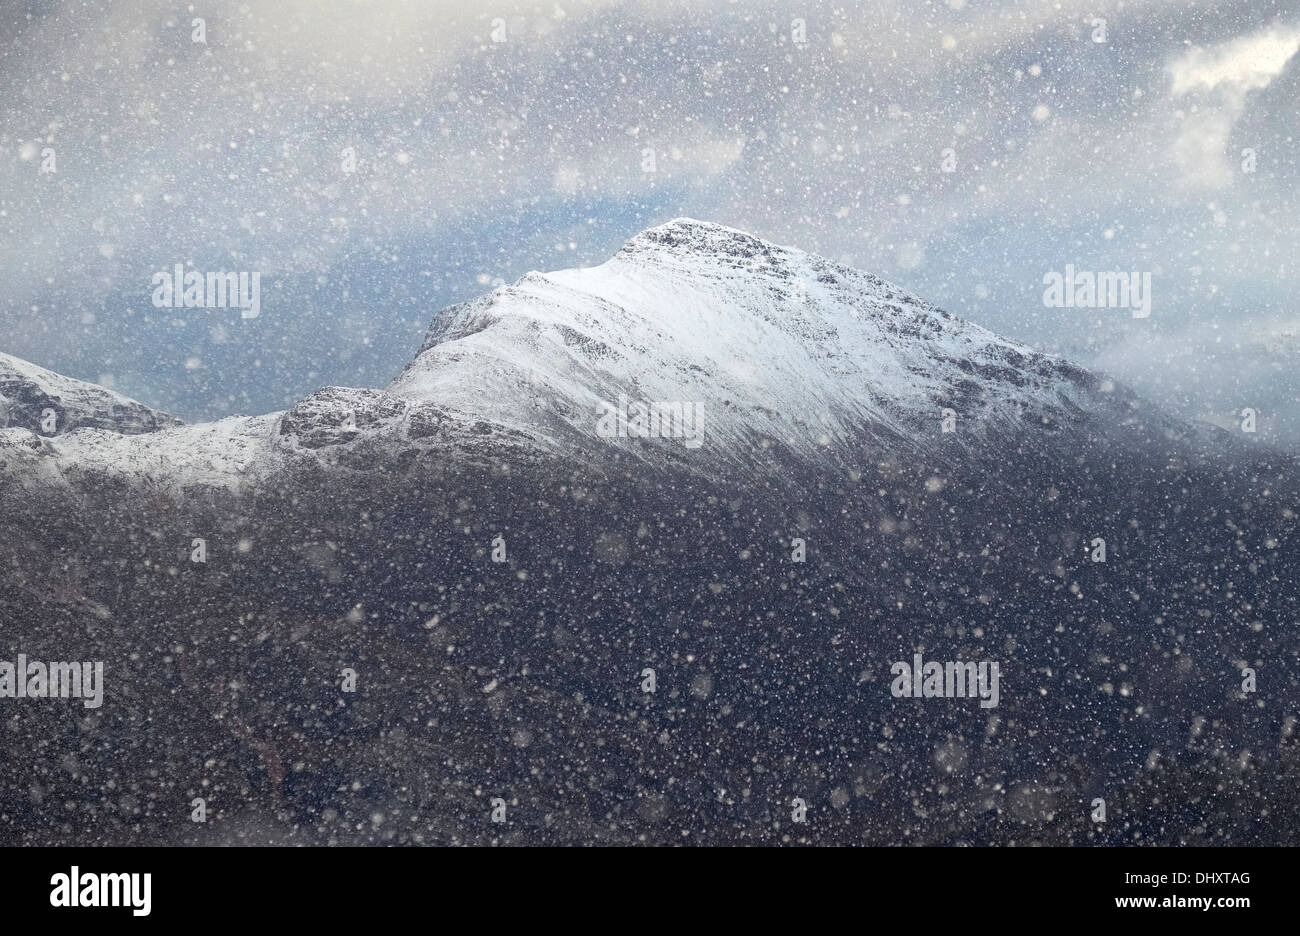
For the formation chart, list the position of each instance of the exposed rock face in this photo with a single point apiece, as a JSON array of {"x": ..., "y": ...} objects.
[{"x": 29, "y": 394}]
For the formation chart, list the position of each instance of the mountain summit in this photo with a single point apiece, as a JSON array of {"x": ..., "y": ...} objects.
[
  {"x": 761, "y": 353},
  {"x": 780, "y": 347}
]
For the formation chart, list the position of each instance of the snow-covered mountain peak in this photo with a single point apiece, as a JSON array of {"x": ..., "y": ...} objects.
[
  {"x": 776, "y": 345},
  {"x": 685, "y": 236},
  {"x": 47, "y": 403},
  {"x": 694, "y": 345},
  {"x": 691, "y": 248}
]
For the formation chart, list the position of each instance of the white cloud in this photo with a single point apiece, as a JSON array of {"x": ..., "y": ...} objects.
[
  {"x": 1211, "y": 85},
  {"x": 1243, "y": 64}
]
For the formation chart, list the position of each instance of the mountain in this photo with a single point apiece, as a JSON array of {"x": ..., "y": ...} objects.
[
  {"x": 31, "y": 395},
  {"x": 871, "y": 479},
  {"x": 777, "y": 350},
  {"x": 779, "y": 346}
]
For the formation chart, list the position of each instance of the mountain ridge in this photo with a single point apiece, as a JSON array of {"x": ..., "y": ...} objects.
[
  {"x": 782, "y": 345},
  {"x": 783, "y": 355},
  {"x": 28, "y": 393}
]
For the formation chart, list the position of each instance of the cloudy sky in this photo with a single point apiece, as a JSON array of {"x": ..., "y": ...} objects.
[{"x": 477, "y": 160}]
